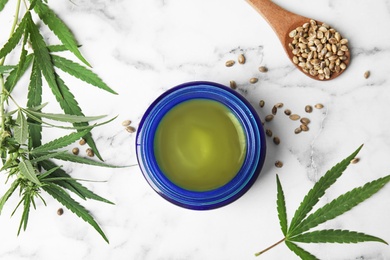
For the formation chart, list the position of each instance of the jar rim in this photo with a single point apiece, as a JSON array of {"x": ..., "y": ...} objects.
[{"x": 221, "y": 196}]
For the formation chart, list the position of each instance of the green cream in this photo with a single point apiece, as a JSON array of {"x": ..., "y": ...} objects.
[{"x": 200, "y": 145}]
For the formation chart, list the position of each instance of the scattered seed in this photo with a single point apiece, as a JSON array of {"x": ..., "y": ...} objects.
[
  {"x": 75, "y": 151},
  {"x": 82, "y": 141},
  {"x": 90, "y": 152},
  {"x": 261, "y": 103},
  {"x": 297, "y": 130},
  {"x": 126, "y": 123},
  {"x": 253, "y": 80},
  {"x": 233, "y": 84},
  {"x": 60, "y": 211},
  {"x": 278, "y": 164},
  {"x": 279, "y": 105},
  {"x": 268, "y": 132},
  {"x": 269, "y": 118},
  {"x": 319, "y": 106},
  {"x": 130, "y": 129},
  {"x": 276, "y": 140},
  {"x": 367, "y": 74},
  {"x": 229, "y": 63},
  {"x": 263, "y": 69},
  {"x": 308, "y": 109},
  {"x": 295, "y": 117},
  {"x": 241, "y": 59},
  {"x": 355, "y": 160},
  {"x": 274, "y": 110},
  {"x": 287, "y": 112},
  {"x": 305, "y": 120},
  {"x": 304, "y": 128}
]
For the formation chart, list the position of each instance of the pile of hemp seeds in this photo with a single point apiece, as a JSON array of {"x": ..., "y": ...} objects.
[{"x": 318, "y": 49}]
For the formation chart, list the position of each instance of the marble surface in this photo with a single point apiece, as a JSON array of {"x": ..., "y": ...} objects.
[{"x": 141, "y": 49}]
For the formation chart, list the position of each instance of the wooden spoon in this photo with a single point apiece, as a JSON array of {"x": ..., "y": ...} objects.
[{"x": 283, "y": 22}]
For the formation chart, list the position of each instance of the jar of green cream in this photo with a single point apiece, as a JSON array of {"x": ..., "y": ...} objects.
[{"x": 200, "y": 145}]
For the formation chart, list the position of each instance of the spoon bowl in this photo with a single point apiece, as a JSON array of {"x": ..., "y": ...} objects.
[{"x": 283, "y": 22}]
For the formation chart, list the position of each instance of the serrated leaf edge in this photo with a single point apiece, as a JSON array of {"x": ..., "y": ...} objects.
[
  {"x": 335, "y": 236},
  {"x": 28, "y": 171},
  {"x": 344, "y": 202},
  {"x": 299, "y": 251},
  {"x": 281, "y": 207},
  {"x": 60, "y": 142},
  {"x": 318, "y": 190}
]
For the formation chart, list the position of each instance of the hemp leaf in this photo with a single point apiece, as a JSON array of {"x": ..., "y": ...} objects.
[
  {"x": 59, "y": 28},
  {"x": 27, "y": 162},
  {"x": 2, "y": 4},
  {"x": 303, "y": 221}
]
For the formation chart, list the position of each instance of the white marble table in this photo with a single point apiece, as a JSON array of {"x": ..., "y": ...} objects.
[{"x": 141, "y": 49}]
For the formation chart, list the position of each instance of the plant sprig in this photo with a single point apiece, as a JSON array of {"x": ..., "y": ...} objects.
[
  {"x": 299, "y": 229},
  {"x": 25, "y": 160}
]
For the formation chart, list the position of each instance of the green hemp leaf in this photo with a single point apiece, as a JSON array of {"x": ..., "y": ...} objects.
[
  {"x": 299, "y": 229},
  {"x": 30, "y": 165}
]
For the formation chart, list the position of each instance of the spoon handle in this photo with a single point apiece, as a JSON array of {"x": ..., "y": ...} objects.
[{"x": 281, "y": 20}]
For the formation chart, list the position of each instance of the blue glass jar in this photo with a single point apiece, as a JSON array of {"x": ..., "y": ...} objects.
[{"x": 255, "y": 146}]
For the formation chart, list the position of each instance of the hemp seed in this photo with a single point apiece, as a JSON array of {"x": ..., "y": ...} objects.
[
  {"x": 261, "y": 103},
  {"x": 308, "y": 109},
  {"x": 229, "y": 63},
  {"x": 268, "y": 132},
  {"x": 130, "y": 129},
  {"x": 253, "y": 80},
  {"x": 279, "y": 105},
  {"x": 241, "y": 59},
  {"x": 297, "y": 130},
  {"x": 75, "y": 151},
  {"x": 305, "y": 120},
  {"x": 263, "y": 69},
  {"x": 82, "y": 141},
  {"x": 126, "y": 123},
  {"x": 233, "y": 84},
  {"x": 295, "y": 117},
  {"x": 278, "y": 164},
  {"x": 60, "y": 211},
  {"x": 304, "y": 128},
  {"x": 355, "y": 160},
  {"x": 269, "y": 118},
  {"x": 274, "y": 110},
  {"x": 90, "y": 152}
]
